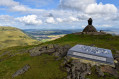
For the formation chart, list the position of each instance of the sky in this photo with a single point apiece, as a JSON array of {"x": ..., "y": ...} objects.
[{"x": 59, "y": 14}]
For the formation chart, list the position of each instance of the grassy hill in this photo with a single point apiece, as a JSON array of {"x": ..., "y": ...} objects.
[
  {"x": 103, "y": 41},
  {"x": 45, "y": 66},
  {"x": 10, "y": 36}
]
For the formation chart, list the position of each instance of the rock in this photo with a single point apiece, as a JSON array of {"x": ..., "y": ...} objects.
[
  {"x": 61, "y": 51},
  {"x": 117, "y": 52},
  {"x": 21, "y": 71},
  {"x": 50, "y": 46},
  {"x": 100, "y": 73},
  {"x": 93, "y": 45},
  {"x": 56, "y": 50},
  {"x": 76, "y": 69},
  {"x": 116, "y": 56},
  {"x": 110, "y": 70},
  {"x": 68, "y": 77},
  {"x": 117, "y": 66}
]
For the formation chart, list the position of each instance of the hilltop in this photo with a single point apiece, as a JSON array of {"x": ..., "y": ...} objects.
[
  {"x": 48, "y": 61},
  {"x": 11, "y": 36}
]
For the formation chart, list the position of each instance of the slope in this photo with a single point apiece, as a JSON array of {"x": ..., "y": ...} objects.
[
  {"x": 45, "y": 66},
  {"x": 10, "y": 36}
]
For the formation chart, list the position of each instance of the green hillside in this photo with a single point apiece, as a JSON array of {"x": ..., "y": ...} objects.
[
  {"x": 45, "y": 66},
  {"x": 10, "y": 36},
  {"x": 103, "y": 41}
]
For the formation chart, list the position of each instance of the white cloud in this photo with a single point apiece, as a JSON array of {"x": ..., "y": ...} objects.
[
  {"x": 100, "y": 8},
  {"x": 75, "y": 4},
  {"x": 8, "y": 3},
  {"x": 13, "y": 5},
  {"x": 30, "y": 20},
  {"x": 71, "y": 18},
  {"x": 88, "y": 6},
  {"x": 106, "y": 25},
  {"x": 59, "y": 19},
  {"x": 80, "y": 11},
  {"x": 103, "y": 25},
  {"x": 6, "y": 20},
  {"x": 19, "y": 8},
  {"x": 38, "y": 3},
  {"x": 50, "y": 20}
]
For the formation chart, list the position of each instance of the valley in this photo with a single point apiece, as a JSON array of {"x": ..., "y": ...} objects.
[{"x": 48, "y": 35}]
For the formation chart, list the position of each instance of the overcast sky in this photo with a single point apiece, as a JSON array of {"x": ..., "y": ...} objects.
[{"x": 59, "y": 14}]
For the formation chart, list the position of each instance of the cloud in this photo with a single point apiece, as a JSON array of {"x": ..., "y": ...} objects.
[
  {"x": 19, "y": 8},
  {"x": 38, "y": 3},
  {"x": 8, "y": 3},
  {"x": 100, "y": 8},
  {"x": 30, "y": 20},
  {"x": 77, "y": 14},
  {"x": 75, "y": 4},
  {"x": 16, "y": 6},
  {"x": 6, "y": 20},
  {"x": 71, "y": 18},
  {"x": 13, "y": 5},
  {"x": 103, "y": 25},
  {"x": 50, "y": 20},
  {"x": 59, "y": 19},
  {"x": 88, "y": 6}
]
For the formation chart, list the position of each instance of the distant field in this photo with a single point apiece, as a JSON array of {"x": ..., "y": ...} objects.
[
  {"x": 48, "y": 35},
  {"x": 10, "y": 36}
]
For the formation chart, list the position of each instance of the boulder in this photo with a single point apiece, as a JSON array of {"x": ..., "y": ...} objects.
[
  {"x": 21, "y": 71},
  {"x": 77, "y": 70}
]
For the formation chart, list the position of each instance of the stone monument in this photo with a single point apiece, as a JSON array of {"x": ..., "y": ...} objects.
[{"x": 90, "y": 27}]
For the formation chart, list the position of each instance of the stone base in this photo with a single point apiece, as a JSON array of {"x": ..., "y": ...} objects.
[{"x": 90, "y": 33}]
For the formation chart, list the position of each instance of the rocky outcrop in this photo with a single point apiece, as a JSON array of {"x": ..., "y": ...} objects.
[
  {"x": 21, "y": 71},
  {"x": 76, "y": 69},
  {"x": 52, "y": 49}
]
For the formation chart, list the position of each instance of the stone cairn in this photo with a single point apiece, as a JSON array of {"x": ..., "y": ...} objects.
[{"x": 90, "y": 27}]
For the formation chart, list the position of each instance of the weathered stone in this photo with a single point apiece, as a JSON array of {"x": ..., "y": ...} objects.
[
  {"x": 117, "y": 52},
  {"x": 110, "y": 70},
  {"x": 59, "y": 51},
  {"x": 68, "y": 77},
  {"x": 50, "y": 46},
  {"x": 100, "y": 73},
  {"x": 21, "y": 71},
  {"x": 77, "y": 70}
]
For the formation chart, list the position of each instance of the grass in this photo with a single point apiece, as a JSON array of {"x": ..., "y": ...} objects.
[
  {"x": 45, "y": 66},
  {"x": 94, "y": 75},
  {"x": 11, "y": 36},
  {"x": 42, "y": 67},
  {"x": 102, "y": 41}
]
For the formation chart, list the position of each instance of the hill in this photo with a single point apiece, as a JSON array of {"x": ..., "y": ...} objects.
[
  {"x": 46, "y": 60},
  {"x": 103, "y": 41},
  {"x": 10, "y": 36}
]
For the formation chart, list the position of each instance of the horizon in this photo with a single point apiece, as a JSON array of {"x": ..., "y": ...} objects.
[{"x": 59, "y": 14}]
